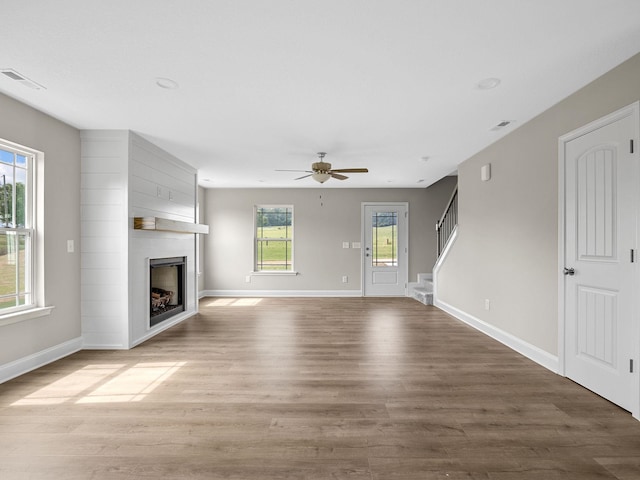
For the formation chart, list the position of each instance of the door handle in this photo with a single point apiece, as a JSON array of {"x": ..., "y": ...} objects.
[{"x": 569, "y": 271}]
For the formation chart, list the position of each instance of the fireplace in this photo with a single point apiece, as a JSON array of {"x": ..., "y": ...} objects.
[{"x": 167, "y": 288}]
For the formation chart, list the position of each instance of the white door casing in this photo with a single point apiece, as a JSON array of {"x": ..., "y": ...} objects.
[
  {"x": 598, "y": 308},
  {"x": 385, "y": 249}
]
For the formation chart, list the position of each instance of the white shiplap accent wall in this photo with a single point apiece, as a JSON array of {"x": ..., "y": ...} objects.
[
  {"x": 124, "y": 175},
  {"x": 103, "y": 239}
]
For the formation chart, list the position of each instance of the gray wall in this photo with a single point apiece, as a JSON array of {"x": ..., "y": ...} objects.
[
  {"x": 323, "y": 219},
  {"x": 61, "y": 146},
  {"x": 202, "y": 218},
  {"x": 507, "y": 248}
]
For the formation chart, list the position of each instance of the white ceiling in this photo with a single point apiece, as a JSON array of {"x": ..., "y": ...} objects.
[{"x": 264, "y": 85}]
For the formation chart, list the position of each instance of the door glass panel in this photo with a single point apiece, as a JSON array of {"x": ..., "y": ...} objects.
[{"x": 384, "y": 237}]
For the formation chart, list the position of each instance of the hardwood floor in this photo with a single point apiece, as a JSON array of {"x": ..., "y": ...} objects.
[{"x": 340, "y": 388}]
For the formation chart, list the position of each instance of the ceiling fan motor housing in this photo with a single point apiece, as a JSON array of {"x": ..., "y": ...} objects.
[{"x": 321, "y": 167}]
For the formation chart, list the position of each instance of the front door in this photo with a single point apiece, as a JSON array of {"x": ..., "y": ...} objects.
[
  {"x": 386, "y": 249},
  {"x": 601, "y": 184}
]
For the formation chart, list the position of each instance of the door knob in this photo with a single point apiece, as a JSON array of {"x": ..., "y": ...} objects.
[{"x": 569, "y": 271}]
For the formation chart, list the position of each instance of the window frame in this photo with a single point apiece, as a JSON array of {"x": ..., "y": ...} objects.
[
  {"x": 256, "y": 239},
  {"x": 33, "y": 228}
]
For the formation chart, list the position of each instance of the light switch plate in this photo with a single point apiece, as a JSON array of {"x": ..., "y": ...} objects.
[{"x": 355, "y": 244}]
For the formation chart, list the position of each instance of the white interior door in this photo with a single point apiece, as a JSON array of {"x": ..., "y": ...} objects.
[
  {"x": 601, "y": 184},
  {"x": 386, "y": 249}
]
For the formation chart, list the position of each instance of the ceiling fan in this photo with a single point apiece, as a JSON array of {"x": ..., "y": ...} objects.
[{"x": 321, "y": 171}]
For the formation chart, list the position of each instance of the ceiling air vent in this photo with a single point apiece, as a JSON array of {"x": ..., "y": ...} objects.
[
  {"x": 13, "y": 75},
  {"x": 501, "y": 125}
]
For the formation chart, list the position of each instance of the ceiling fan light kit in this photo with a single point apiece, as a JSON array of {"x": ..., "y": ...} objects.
[{"x": 321, "y": 177}]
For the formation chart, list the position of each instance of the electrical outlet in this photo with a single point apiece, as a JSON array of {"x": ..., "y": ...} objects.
[
  {"x": 70, "y": 246},
  {"x": 487, "y": 304},
  {"x": 247, "y": 279},
  {"x": 345, "y": 279}
]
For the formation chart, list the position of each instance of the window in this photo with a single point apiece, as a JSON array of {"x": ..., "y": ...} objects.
[
  {"x": 274, "y": 238},
  {"x": 16, "y": 228}
]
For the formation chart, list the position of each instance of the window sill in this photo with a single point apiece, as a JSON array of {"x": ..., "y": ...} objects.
[
  {"x": 274, "y": 272},
  {"x": 28, "y": 314}
]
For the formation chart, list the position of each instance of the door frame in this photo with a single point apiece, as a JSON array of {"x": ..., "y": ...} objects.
[
  {"x": 363, "y": 224},
  {"x": 632, "y": 111}
]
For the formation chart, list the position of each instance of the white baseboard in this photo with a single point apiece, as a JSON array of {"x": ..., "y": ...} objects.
[
  {"x": 281, "y": 293},
  {"x": 39, "y": 359},
  {"x": 532, "y": 352}
]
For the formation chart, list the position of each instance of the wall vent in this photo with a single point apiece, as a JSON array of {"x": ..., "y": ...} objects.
[
  {"x": 18, "y": 77},
  {"x": 501, "y": 125}
]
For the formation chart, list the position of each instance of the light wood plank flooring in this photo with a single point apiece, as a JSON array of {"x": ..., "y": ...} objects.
[{"x": 346, "y": 388}]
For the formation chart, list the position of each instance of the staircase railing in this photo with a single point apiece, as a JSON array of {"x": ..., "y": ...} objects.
[{"x": 448, "y": 221}]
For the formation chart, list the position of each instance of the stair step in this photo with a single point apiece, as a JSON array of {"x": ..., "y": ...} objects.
[
  {"x": 424, "y": 294},
  {"x": 423, "y": 289}
]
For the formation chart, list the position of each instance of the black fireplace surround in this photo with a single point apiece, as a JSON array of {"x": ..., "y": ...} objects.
[{"x": 167, "y": 280}]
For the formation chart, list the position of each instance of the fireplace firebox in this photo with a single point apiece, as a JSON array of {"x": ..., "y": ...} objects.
[{"x": 168, "y": 283}]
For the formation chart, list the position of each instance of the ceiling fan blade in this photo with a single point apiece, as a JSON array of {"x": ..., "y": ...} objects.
[
  {"x": 304, "y": 176},
  {"x": 306, "y": 171},
  {"x": 337, "y": 176},
  {"x": 351, "y": 170}
]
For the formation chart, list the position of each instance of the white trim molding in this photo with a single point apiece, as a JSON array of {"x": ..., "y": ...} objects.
[
  {"x": 532, "y": 352},
  {"x": 27, "y": 314},
  {"x": 39, "y": 359},
  {"x": 281, "y": 293}
]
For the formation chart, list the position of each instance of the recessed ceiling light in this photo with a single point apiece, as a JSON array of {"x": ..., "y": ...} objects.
[
  {"x": 166, "y": 83},
  {"x": 425, "y": 158},
  {"x": 421, "y": 180},
  {"x": 488, "y": 83}
]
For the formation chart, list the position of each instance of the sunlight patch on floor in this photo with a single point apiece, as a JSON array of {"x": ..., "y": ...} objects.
[
  {"x": 70, "y": 386},
  {"x": 104, "y": 384},
  {"x": 133, "y": 384},
  {"x": 234, "y": 302}
]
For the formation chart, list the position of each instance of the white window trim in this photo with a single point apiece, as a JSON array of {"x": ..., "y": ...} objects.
[
  {"x": 21, "y": 315},
  {"x": 38, "y": 308},
  {"x": 255, "y": 242}
]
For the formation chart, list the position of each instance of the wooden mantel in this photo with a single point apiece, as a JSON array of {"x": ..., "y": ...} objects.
[{"x": 166, "y": 225}]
